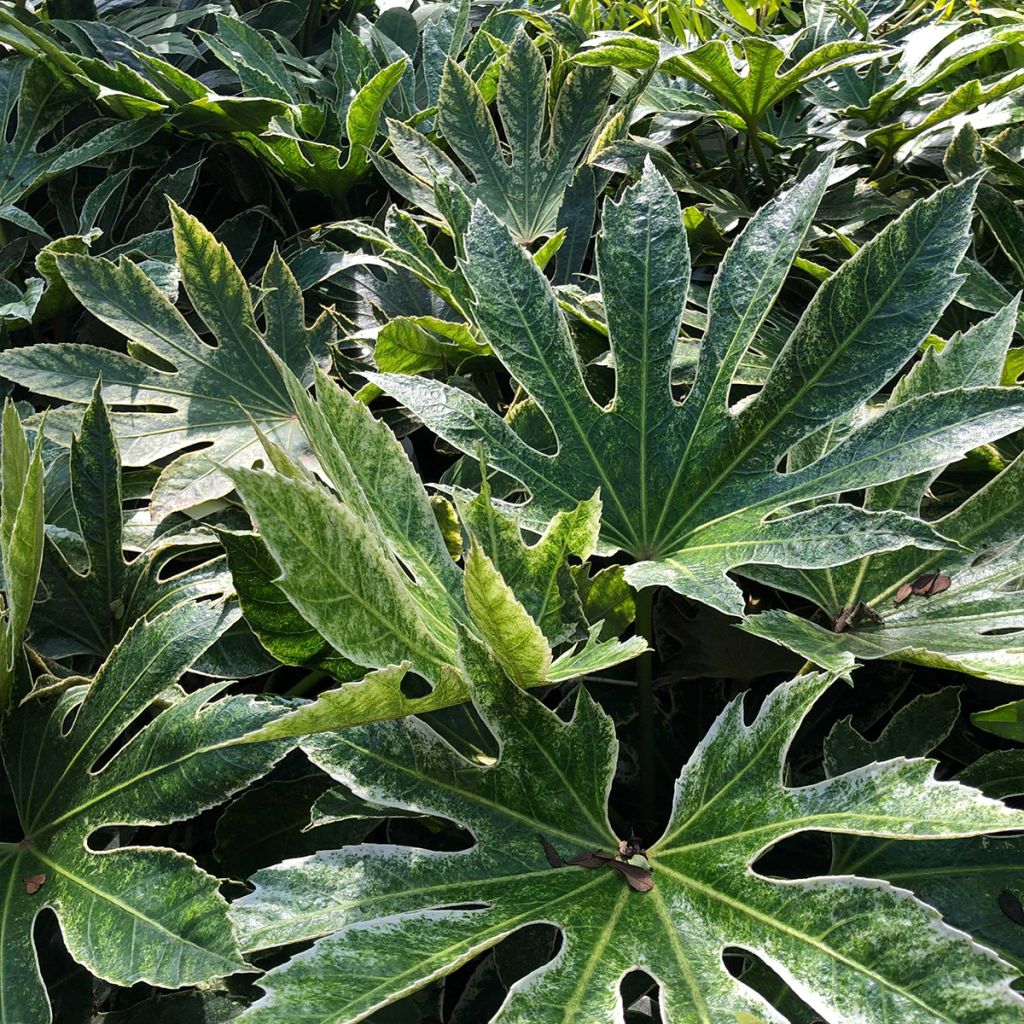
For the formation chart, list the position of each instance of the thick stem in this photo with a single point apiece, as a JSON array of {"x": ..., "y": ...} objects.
[
  {"x": 37, "y": 39},
  {"x": 762, "y": 162},
  {"x": 306, "y": 683},
  {"x": 646, "y": 710},
  {"x": 883, "y": 164}
]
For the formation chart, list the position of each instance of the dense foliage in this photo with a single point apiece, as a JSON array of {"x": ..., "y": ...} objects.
[{"x": 511, "y": 512}]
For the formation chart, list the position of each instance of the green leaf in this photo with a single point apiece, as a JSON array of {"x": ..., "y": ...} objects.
[
  {"x": 854, "y": 948},
  {"x": 181, "y": 392},
  {"x": 507, "y": 627},
  {"x": 368, "y": 569},
  {"x": 131, "y": 913},
  {"x": 962, "y": 100},
  {"x": 748, "y": 89},
  {"x": 415, "y": 344},
  {"x": 524, "y": 189},
  {"x": 272, "y": 617},
  {"x": 1006, "y": 721},
  {"x": 974, "y": 625},
  {"x": 93, "y": 595},
  {"x": 33, "y": 98},
  {"x": 22, "y": 490},
  {"x": 691, "y": 490},
  {"x": 968, "y": 881}
]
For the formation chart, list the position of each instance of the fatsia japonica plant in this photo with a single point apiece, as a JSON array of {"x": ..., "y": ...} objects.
[
  {"x": 511, "y": 513},
  {"x": 692, "y": 489}
]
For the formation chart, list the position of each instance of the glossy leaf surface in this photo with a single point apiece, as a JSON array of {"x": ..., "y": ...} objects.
[{"x": 853, "y": 948}]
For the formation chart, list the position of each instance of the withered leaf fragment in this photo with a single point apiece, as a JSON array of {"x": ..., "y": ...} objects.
[
  {"x": 553, "y": 856},
  {"x": 926, "y": 585},
  {"x": 33, "y": 883},
  {"x": 637, "y": 876},
  {"x": 853, "y": 616}
]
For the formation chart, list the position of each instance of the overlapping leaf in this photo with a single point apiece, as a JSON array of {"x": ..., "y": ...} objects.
[
  {"x": 21, "y": 541},
  {"x": 523, "y": 181},
  {"x": 91, "y": 594},
  {"x": 691, "y": 490},
  {"x": 368, "y": 568},
  {"x": 973, "y": 882},
  {"x": 852, "y": 948},
  {"x": 76, "y": 765},
  {"x": 747, "y": 90},
  {"x": 974, "y": 625},
  {"x": 33, "y": 97},
  {"x": 182, "y": 392}
]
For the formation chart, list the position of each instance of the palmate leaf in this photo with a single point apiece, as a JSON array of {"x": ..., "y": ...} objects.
[
  {"x": 523, "y": 181},
  {"x": 131, "y": 913},
  {"x": 33, "y": 97},
  {"x": 368, "y": 568},
  {"x": 968, "y": 881},
  {"x": 182, "y": 392},
  {"x": 747, "y": 90},
  {"x": 691, "y": 490},
  {"x": 853, "y": 948},
  {"x": 319, "y": 141},
  {"x": 975, "y": 625},
  {"x": 91, "y": 593}
]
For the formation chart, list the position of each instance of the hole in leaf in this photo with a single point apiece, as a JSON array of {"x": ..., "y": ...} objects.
[
  {"x": 757, "y": 975},
  {"x": 414, "y": 686},
  {"x": 799, "y": 856}
]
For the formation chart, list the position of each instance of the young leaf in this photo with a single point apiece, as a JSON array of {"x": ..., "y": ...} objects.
[
  {"x": 853, "y": 948},
  {"x": 748, "y": 92},
  {"x": 92, "y": 594},
  {"x": 135, "y": 913},
  {"x": 368, "y": 569},
  {"x": 691, "y": 490},
  {"x": 212, "y": 394},
  {"x": 525, "y": 189}
]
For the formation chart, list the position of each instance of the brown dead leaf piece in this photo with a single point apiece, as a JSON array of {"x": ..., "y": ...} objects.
[
  {"x": 853, "y": 616},
  {"x": 594, "y": 859},
  {"x": 553, "y": 856},
  {"x": 926, "y": 585},
  {"x": 639, "y": 879},
  {"x": 931, "y": 583},
  {"x": 33, "y": 883}
]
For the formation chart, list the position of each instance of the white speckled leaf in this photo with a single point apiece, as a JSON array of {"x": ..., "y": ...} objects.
[
  {"x": 747, "y": 89},
  {"x": 131, "y": 913},
  {"x": 543, "y": 141},
  {"x": 21, "y": 540},
  {"x": 208, "y": 392},
  {"x": 691, "y": 490},
  {"x": 367, "y": 567},
  {"x": 974, "y": 626},
  {"x": 87, "y": 608},
  {"x": 968, "y": 880},
  {"x": 388, "y": 919}
]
